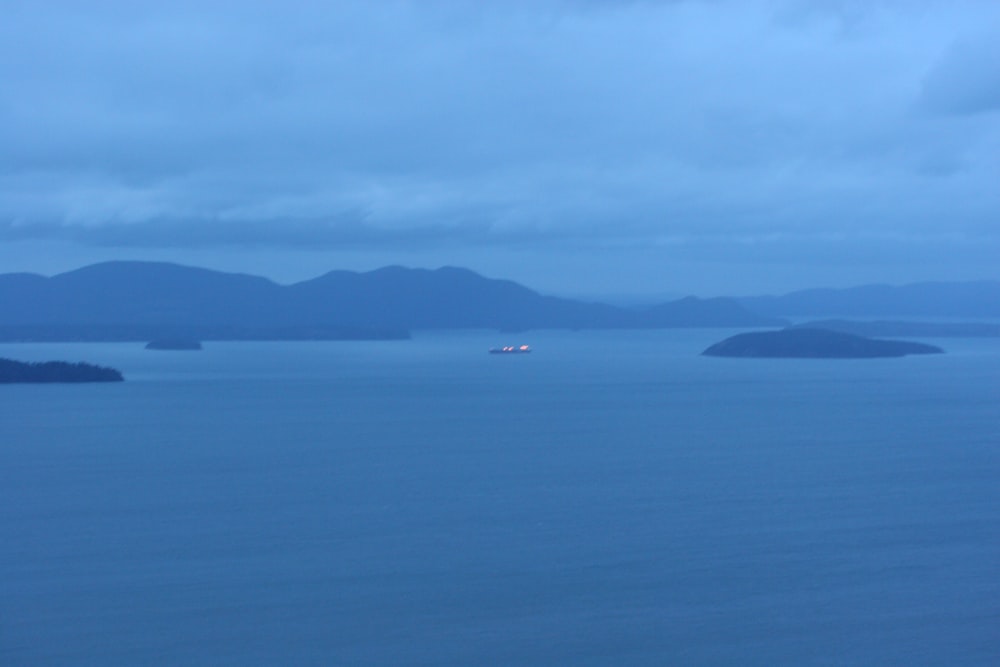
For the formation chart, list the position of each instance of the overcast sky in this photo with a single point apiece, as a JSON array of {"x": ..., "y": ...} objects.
[{"x": 581, "y": 147}]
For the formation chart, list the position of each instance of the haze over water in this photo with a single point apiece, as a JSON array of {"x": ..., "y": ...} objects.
[{"x": 610, "y": 499}]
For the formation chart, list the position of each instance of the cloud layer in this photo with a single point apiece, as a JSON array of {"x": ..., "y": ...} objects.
[{"x": 377, "y": 126}]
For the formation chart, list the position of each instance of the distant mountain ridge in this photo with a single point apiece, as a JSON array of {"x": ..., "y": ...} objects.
[
  {"x": 977, "y": 300},
  {"x": 143, "y": 300},
  {"x": 888, "y": 328}
]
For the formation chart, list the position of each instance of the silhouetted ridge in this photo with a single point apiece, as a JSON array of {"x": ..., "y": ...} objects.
[
  {"x": 142, "y": 301},
  {"x": 980, "y": 299},
  {"x": 882, "y": 328},
  {"x": 134, "y": 293}
]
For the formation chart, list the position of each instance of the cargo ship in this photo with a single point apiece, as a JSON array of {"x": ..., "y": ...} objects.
[{"x": 510, "y": 349}]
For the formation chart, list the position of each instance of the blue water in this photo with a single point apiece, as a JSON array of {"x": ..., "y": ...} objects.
[{"x": 610, "y": 499}]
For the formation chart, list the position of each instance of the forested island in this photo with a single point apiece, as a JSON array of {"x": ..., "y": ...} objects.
[
  {"x": 174, "y": 344},
  {"x": 815, "y": 344},
  {"x": 55, "y": 371}
]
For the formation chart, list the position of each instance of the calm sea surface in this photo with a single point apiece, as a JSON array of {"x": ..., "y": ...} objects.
[{"x": 610, "y": 499}]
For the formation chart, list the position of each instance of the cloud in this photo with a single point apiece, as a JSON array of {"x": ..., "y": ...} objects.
[
  {"x": 559, "y": 122},
  {"x": 966, "y": 80}
]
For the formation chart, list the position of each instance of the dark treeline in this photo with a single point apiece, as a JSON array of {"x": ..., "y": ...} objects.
[{"x": 55, "y": 371}]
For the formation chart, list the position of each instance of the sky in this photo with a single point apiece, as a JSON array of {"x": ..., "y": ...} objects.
[{"x": 582, "y": 147}]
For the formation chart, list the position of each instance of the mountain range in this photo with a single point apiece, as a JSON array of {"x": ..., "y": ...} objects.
[
  {"x": 975, "y": 300},
  {"x": 145, "y": 300}
]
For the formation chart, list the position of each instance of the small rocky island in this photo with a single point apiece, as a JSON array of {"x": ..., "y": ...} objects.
[
  {"x": 173, "y": 344},
  {"x": 814, "y": 344},
  {"x": 55, "y": 371}
]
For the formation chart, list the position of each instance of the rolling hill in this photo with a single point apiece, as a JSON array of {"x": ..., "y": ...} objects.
[{"x": 145, "y": 300}]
